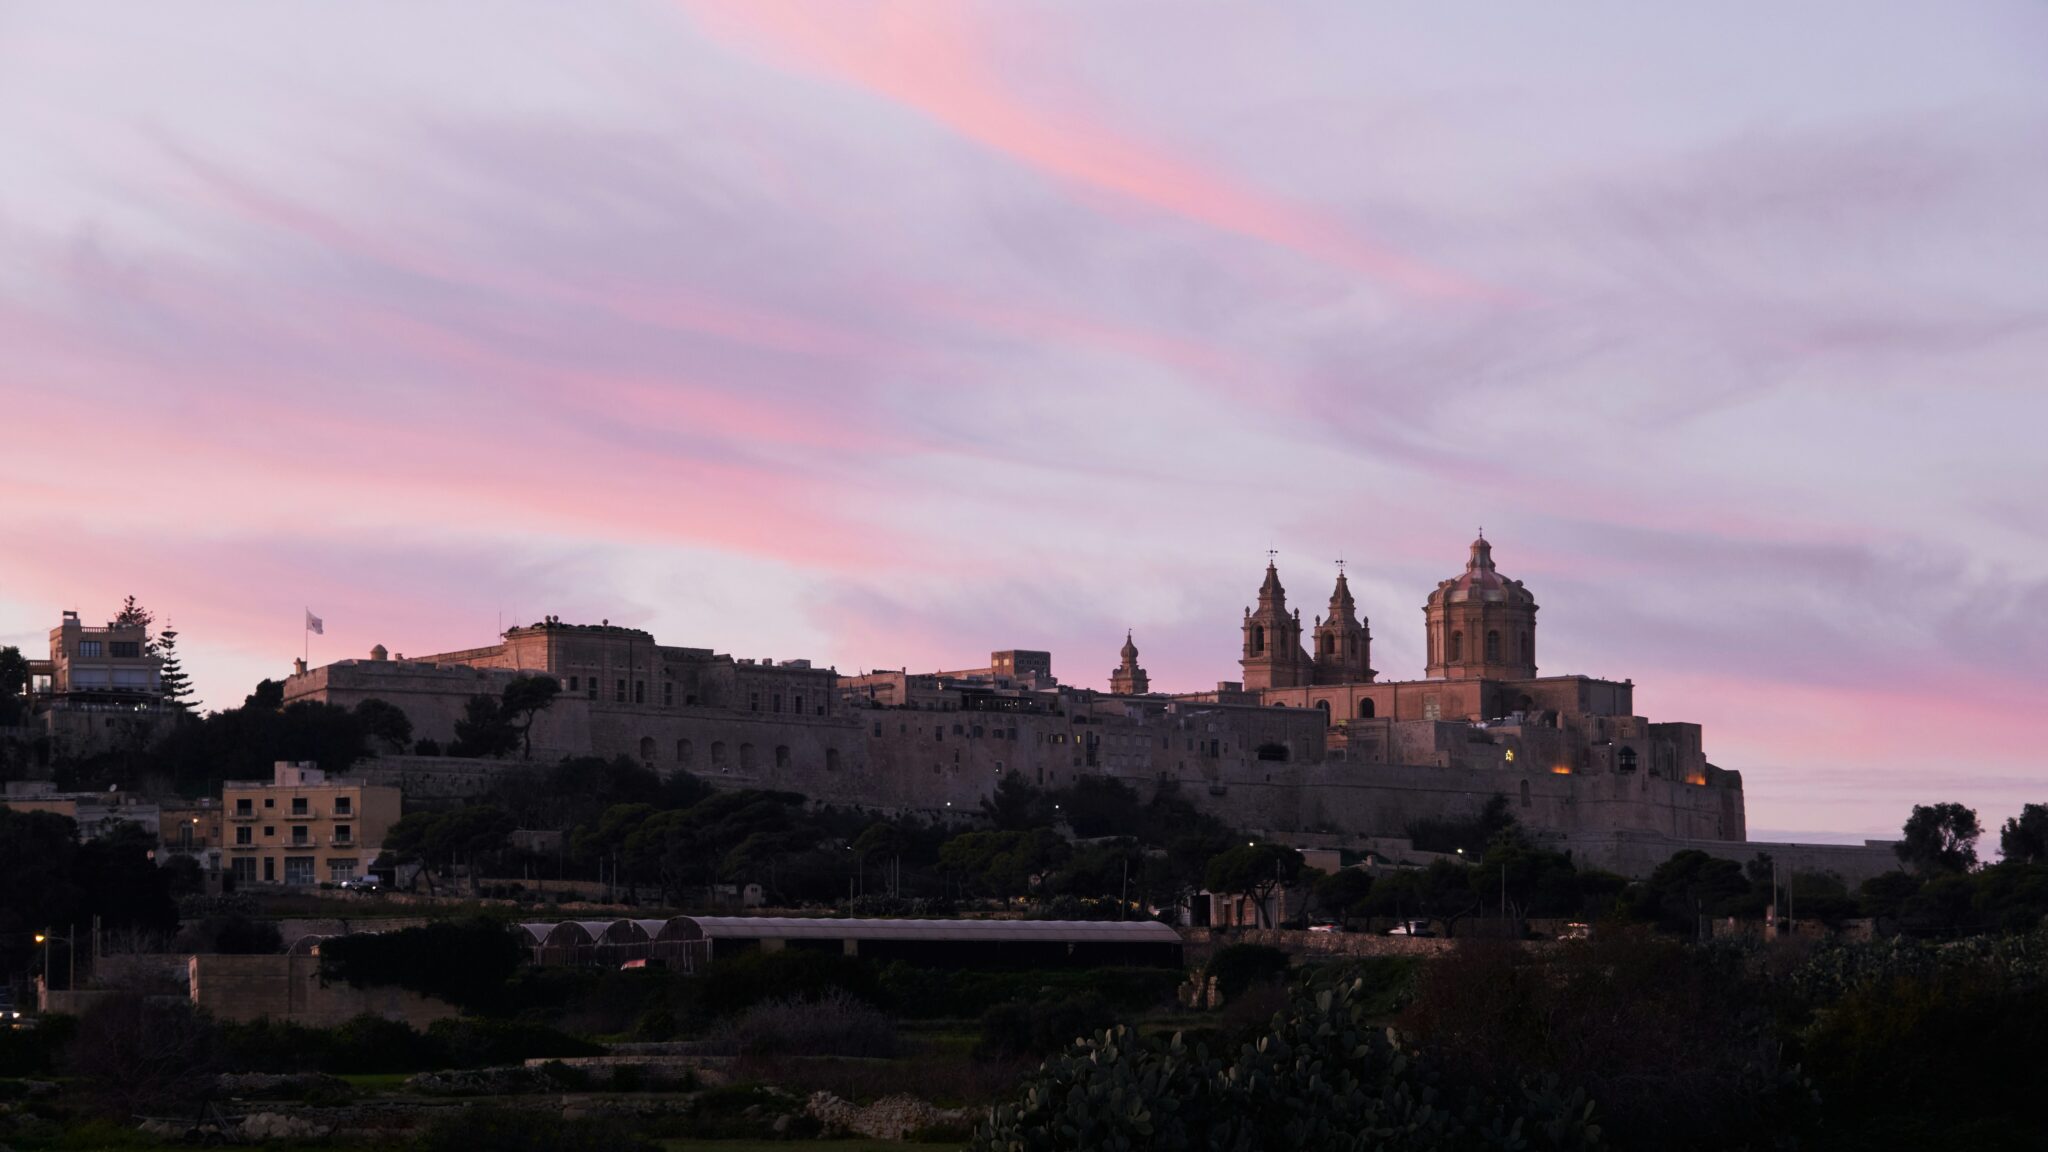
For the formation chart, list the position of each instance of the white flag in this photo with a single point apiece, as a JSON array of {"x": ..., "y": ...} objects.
[{"x": 314, "y": 624}]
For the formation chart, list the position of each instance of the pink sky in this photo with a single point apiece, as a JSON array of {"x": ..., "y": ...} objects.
[{"x": 889, "y": 334}]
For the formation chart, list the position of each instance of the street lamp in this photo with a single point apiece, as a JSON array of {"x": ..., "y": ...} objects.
[{"x": 71, "y": 949}]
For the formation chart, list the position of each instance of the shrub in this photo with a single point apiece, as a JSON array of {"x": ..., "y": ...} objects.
[
  {"x": 1037, "y": 1028},
  {"x": 835, "y": 1024},
  {"x": 137, "y": 1054},
  {"x": 1323, "y": 1077},
  {"x": 463, "y": 962},
  {"x": 484, "y": 1128},
  {"x": 738, "y": 983},
  {"x": 1236, "y": 967},
  {"x": 374, "y": 1044},
  {"x": 472, "y": 1043}
]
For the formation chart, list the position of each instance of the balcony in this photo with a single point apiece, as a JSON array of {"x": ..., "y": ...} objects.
[
  {"x": 243, "y": 847},
  {"x": 343, "y": 841},
  {"x": 251, "y": 815},
  {"x": 309, "y": 814}
]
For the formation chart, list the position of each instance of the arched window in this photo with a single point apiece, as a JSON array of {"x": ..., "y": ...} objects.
[
  {"x": 647, "y": 749},
  {"x": 718, "y": 753},
  {"x": 685, "y": 751},
  {"x": 1525, "y": 793},
  {"x": 1329, "y": 644},
  {"x": 1528, "y": 649},
  {"x": 831, "y": 759},
  {"x": 1493, "y": 647},
  {"x": 1457, "y": 646},
  {"x": 746, "y": 757},
  {"x": 1365, "y": 708},
  {"x": 1258, "y": 639},
  {"x": 1325, "y": 706},
  {"x": 1626, "y": 760},
  {"x": 782, "y": 755}
]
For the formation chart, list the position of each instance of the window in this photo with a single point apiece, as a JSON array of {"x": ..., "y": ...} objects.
[
  {"x": 753, "y": 701},
  {"x": 127, "y": 648},
  {"x": 1432, "y": 708},
  {"x": 244, "y": 806},
  {"x": 590, "y": 688},
  {"x": 1625, "y": 760},
  {"x": 343, "y": 806},
  {"x": 647, "y": 749},
  {"x": 746, "y": 757},
  {"x": 298, "y": 869},
  {"x": 685, "y": 751},
  {"x": 1329, "y": 644},
  {"x": 574, "y": 685},
  {"x": 1492, "y": 647},
  {"x": 639, "y": 691},
  {"x": 270, "y": 801},
  {"x": 796, "y": 703},
  {"x": 340, "y": 870},
  {"x": 782, "y": 755},
  {"x": 299, "y": 807},
  {"x": 89, "y": 648},
  {"x": 245, "y": 835},
  {"x": 1325, "y": 706},
  {"x": 270, "y": 830},
  {"x": 344, "y": 834},
  {"x": 1527, "y": 652},
  {"x": 775, "y": 702},
  {"x": 243, "y": 869},
  {"x": 299, "y": 834},
  {"x": 718, "y": 753},
  {"x": 1365, "y": 708},
  {"x": 1457, "y": 646},
  {"x": 1258, "y": 639},
  {"x": 1525, "y": 794},
  {"x": 270, "y": 869},
  {"x": 831, "y": 759},
  {"x": 668, "y": 694},
  {"x": 619, "y": 693}
]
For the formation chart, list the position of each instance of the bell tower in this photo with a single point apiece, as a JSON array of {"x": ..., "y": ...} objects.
[
  {"x": 1129, "y": 679},
  {"x": 1343, "y": 641},
  {"x": 1272, "y": 639}
]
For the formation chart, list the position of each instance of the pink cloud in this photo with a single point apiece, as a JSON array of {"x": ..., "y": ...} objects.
[{"x": 929, "y": 59}]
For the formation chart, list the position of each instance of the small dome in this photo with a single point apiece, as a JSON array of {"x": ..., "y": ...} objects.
[
  {"x": 379, "y": 653},
  {"x": 1130, "y": 649}
]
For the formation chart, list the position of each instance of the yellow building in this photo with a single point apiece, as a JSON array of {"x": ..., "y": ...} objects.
[{"x": 303, "y": 828}]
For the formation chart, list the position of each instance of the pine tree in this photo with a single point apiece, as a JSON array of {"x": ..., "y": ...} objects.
[
  {"x": 176, "y": 686},
  {"x": 134, "y": 615}
]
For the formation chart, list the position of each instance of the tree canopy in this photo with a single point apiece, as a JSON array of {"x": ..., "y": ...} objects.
[{"x": 1940, "y": 838}]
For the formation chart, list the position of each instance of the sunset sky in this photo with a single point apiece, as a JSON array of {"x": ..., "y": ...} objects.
[{"x": 888, "y": 334}]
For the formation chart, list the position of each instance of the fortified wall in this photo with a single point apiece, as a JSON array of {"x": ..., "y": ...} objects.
[{"x": 1307, "y": 741}]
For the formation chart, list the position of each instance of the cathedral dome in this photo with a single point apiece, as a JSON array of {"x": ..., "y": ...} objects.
[{"x": 1481, "y": 582}]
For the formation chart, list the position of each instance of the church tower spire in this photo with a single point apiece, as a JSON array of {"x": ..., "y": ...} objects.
[
  {"x": 1272, "y": 639},
  {"x": 1343, "y": 641},
  {"x": 1129, "y": 679}
]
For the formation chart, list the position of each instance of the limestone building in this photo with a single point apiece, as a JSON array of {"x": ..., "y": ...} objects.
[
  {"x": 1310, "y": 739},
  {"x": 302, "y": 827}
]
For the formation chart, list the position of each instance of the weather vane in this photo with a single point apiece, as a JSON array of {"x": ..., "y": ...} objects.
[
  {"x": 1340, "y": 565},
  {"x": 1271, "y": 555}
]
